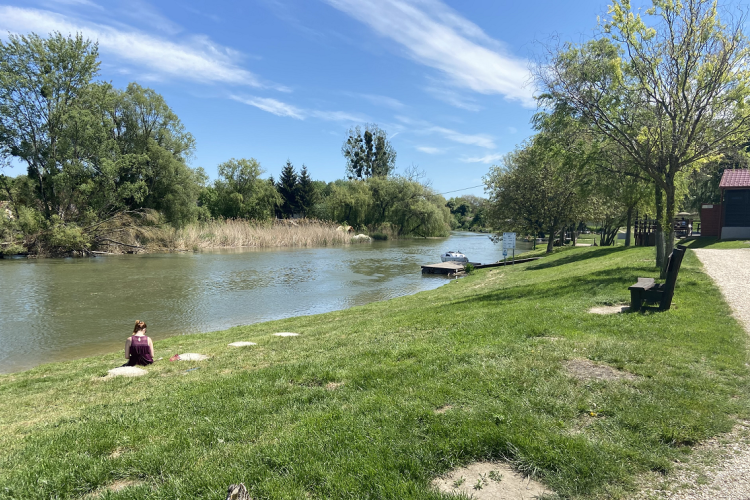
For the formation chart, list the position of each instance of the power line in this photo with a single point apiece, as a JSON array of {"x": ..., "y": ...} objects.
[{"x": 464, "y": 189}]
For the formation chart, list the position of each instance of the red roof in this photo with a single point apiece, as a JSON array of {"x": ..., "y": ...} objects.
[{"x": 735, "y": 179}]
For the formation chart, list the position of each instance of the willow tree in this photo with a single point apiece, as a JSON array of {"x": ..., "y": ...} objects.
[{"x": 670, "y": 87}]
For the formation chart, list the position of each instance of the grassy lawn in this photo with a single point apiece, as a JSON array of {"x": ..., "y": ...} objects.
[
  {"x": 348, "y": 409},
  {"x": 709, "y": 242}
]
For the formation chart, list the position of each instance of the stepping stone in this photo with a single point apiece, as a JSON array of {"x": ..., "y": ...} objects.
[
  {"x": 126, "y": 371},
  {"x": 242, "y": 344},
  {"x": 191, "y": 356},
  {"x": 286, "y": 334}
]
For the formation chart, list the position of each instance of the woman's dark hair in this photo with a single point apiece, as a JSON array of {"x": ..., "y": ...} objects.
[{"x": 139, "y": 325}]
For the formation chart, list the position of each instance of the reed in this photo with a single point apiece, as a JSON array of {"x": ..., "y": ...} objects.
[{"x": 233, "y": 233}]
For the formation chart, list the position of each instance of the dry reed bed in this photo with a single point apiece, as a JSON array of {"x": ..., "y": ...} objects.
[{"x": 234, "y": 234}]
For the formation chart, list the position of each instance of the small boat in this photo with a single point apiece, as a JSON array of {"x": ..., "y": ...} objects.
[{"x": 454, "y": 257}]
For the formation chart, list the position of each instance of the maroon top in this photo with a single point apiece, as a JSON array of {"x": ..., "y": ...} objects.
[{"x": 140, "y": 352}]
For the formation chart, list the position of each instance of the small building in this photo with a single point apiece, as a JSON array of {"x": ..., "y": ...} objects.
[{"x": 729, "y": 219}]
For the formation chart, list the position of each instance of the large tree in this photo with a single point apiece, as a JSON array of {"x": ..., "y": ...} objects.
[
  {"x": 307, "y": 194},
  {"x": 288, "y": 189},
  {"x": 671, "y": 88},
  {"x": 368, "y": 153}
]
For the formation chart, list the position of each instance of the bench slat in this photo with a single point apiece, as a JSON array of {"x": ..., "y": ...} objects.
[{"x": 643, "y": 284}]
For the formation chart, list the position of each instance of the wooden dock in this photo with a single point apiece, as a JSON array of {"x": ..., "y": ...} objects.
[
  {"x": 449, "y": 267},
  {"x": 452, "y": 267}
]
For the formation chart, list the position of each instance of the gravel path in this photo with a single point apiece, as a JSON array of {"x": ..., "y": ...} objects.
[{"x": 721, "y": 468}]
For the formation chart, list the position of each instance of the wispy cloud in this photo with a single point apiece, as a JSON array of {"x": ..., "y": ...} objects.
[
  {"x": 512, "y": 130},
  {"x": 430, "y": 150},
  {"x": 196, "y": 58},
  {"x": 378, "y": 100},
  {"x": 272, "y": 106},
  {"x": 279, "y": 108},
  {"x": 484, "y": 159},
  {"x": 434, "y": 35},
  {"x": 481, "y": 140},
  {"x": 423, "y": 127},
  {"x": 454, "y": 99}
]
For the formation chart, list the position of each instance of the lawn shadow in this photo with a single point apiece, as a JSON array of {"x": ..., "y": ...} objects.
[
  {"x": 577, "y": 257},
  {"x": 604, "y": 278},
  {"x": 698, "y": 241}
]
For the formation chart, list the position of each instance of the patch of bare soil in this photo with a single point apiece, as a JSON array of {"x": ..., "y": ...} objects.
[
  {"x": 125, "y": 371},
  {"x": 620, "y": 308},
  {"x": 332, "y": 386},
  {"x": 118, "y": 485},
  {"x": 490, "y": 481},
  {"x": 585, "y": 369},
  {"x": 443, "y": 409}
]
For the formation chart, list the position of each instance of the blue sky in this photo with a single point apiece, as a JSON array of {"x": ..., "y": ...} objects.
[{"x": 285, "y": 79}]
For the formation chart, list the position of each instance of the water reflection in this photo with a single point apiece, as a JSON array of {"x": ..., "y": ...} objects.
[{"x": 66, "y": 308}]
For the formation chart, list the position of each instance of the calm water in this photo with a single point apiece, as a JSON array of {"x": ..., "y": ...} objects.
[{"x": 58, "y": 309}]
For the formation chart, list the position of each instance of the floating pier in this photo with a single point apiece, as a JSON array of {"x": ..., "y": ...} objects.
[
  {"x": 452, "y": 267},
  {"x": 449, "y": 267}
]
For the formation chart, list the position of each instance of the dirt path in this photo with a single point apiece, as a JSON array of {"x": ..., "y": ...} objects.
[{"x": 720, "y": 468}]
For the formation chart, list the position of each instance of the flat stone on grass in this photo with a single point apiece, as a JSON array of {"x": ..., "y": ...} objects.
[
  {"x": 126, "y": 371},
  {"x": 286, "y": 334},
  {"x": 242, "y": 344},
  {"x": 192, "y": 356},
  {"x": 585, "y": 369},
  {"x": 620, "y": 308},
  {"x": 490, "y": 481}
]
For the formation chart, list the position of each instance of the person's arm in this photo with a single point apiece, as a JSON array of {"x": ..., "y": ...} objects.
[
  {"x": 127, "y": 348},
  {"x": 151, "y": 346}
]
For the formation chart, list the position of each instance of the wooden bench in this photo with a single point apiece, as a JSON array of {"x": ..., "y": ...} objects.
[{"x": 647, "y": 290}]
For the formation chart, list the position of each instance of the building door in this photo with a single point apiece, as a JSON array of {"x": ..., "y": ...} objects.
[{"x": 737, "y": 208}]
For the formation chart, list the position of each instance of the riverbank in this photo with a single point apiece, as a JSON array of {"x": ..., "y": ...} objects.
[
  {"x": 231, "y": 234},
  {"x": 380, "y": 399}
]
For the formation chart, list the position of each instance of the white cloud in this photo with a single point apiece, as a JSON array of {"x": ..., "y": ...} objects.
[
  {"x": 485, "y": 159},
  {"x": 273, "y": 106},
  {"x": 283, "y": 109},
  {"x": 378, "y": 100},
  {"x": 481, "y": 140},
  {"x": 430, "y": 150},
  {"x": 436, "y": 36},
  {"x": 197, "y": 59},
  {"x": 454, "y": 99}
]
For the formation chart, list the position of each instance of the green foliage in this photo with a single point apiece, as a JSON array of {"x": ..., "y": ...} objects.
[
  {"x": 288, "y": 190},
  {"x": 239, "y": 192},
  {"x": 469, "y": 212},
  {"x": 307, "y": 192},
  {"x": 368, "y": 154}
]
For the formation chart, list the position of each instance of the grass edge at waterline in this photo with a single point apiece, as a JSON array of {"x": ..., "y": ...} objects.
[{"x": 348, "y": 408}]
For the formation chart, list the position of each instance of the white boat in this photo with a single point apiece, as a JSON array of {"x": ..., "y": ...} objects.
[{"x": 454, "y": 257}]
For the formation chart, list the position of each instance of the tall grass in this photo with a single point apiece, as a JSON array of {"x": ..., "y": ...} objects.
[{"x": 230, "y": 234}]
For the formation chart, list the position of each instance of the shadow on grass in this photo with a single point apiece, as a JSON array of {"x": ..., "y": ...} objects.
[
  {"x": 567, "y": 287},
  {"x": 698, "y": 242},
  {"x": 577, "y": 257}
]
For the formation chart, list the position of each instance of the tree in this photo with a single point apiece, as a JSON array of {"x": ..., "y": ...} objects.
[
  {"x": 42, "y": 86},
  {"x": 541, "y": 187},
  {"x": 368, "y": 154},
  {"x": 672, "y": 93},
  {"x": 307, "y": 194},
  {"x": 239, "y": 192},
  {"x": 288, "y": 188}
]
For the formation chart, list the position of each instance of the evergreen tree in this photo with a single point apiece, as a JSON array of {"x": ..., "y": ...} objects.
[
  {"x": 287, "y": 187},
  {"x": 306, "y": 195}
]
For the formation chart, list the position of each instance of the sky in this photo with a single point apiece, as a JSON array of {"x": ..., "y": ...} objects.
[{"x": 449, "y": 81}]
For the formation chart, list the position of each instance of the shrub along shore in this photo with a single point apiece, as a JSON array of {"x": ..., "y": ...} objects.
[{"x": 375, "y": 401}]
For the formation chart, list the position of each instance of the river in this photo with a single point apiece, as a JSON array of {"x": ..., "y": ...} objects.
[{"x": 58, "y": 309}]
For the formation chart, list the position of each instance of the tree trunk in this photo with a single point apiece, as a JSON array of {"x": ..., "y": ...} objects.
[
  {"x": 574, "y": 234},
  {"x": 669, "y": 233},
  {"x": 659, "y": 202},
  {"x": 551, "y": 239},
  {"x": 629, "y": 226}
]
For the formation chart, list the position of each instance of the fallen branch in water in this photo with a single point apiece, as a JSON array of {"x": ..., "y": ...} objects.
[{"x": 120, "y": 243}]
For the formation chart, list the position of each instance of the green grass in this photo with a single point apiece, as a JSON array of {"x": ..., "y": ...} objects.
[
  {"x": 710, "y": 242},
  {"x": 491, "y": 345}
]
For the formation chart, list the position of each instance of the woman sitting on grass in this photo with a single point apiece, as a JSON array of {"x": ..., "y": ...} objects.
[{"x": 139, "y": 350}]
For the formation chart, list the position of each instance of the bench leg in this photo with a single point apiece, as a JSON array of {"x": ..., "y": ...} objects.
[{"x": 636, "y": 299}]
